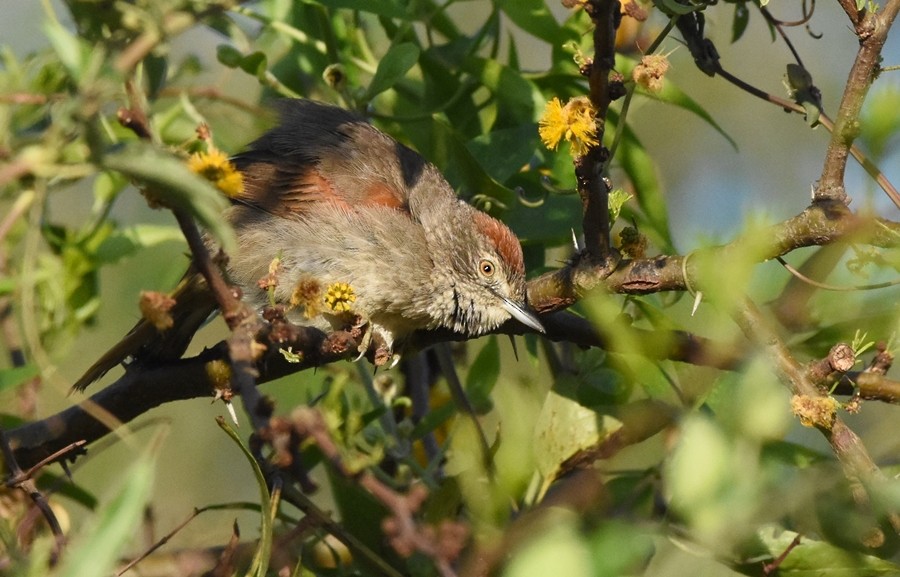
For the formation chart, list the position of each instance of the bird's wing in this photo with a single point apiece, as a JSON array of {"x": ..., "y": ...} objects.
[{"x": 320, "y": 153}]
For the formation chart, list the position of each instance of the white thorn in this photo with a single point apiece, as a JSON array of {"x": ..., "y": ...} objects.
[
  {"x": 698, "y": 296},
  {"x": 232, "y": 412},
  {"x": 575, "y": 240}
]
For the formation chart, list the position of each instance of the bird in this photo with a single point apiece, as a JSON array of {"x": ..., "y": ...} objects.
[{"x": 340, "y": 223}]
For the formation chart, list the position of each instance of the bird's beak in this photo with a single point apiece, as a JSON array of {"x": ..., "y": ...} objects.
[{"x": 525, "y": 317}]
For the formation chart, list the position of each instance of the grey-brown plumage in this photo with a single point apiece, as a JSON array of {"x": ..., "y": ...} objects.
[{"x": 337, "y": 201}]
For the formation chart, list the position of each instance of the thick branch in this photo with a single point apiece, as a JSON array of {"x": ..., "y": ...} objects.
[
  {"x": 820, "y": 224},
  {"x": 144, "y": 388},
  {"x": 138, "y": 392}
]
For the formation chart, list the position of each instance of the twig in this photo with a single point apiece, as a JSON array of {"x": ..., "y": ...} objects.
[
  {"x": 242, "y": 321},
  {"x": 162, "y": 541},
  {"x": 872, "y": 30},
  {"x": 769, "y": 568},
  {"x": 24, "y": 482},
  {"x": 831, "y": 287},
  {"x": 813, "y": 408},
  {"x": 405, "y": 534},
  {"x": 864, "y": 161}
]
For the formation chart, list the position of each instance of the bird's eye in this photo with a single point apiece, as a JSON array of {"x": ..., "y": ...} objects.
[{"x": 486, "y": 268}]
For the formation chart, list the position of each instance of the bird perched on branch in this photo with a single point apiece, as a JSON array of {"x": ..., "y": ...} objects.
[{"x": 342, "y": 224}]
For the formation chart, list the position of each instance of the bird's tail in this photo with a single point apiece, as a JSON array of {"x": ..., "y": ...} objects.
[{"x": 147, "y": 345}]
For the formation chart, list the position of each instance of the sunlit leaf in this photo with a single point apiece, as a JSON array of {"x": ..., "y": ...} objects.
[
  {"x": 71, "y": 50},
  {"x": 264, "y": 548},
  {"x": 648, "y": 190},
  {"x": 555, "y": 547},
  {"x": 535, "y": 17},
  {"x": 563, "y": 429},
  {"x": 172, "y": 183},
  {"x": 393, "y": 67}
]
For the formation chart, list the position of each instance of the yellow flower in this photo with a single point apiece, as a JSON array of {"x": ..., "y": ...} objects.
[
  {"x": 215, "y": 167},
  {"x": 339, "y": 297},
  {"x": 552, "y": 126},
  {"x": 573, "y": 122}
]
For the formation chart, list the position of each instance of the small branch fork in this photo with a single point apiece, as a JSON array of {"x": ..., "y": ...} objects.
[
  {"x": 872, "y": 29},
  {"x": 442, "y": 544},
  {"x": 816, "y": 408}
]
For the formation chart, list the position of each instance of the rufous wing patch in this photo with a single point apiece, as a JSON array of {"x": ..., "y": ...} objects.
[{"x": 382, "y": 194}]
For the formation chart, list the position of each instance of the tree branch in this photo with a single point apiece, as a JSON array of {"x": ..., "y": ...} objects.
[{"x": 872, "y": 30}]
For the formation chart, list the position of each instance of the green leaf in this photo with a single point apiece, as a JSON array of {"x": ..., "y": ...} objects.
[
  {"x": 172, "y": 183},
  {"x": 517, "y": 97},
  {"x": 12, "y": 378},
  {"x": 70, "y": 49},
  {"x": 388, "y": 8},
  {"x": 563, "y": 429},
  {"x": 393, "y": 67},
  {"x": 266, "y": 503},
  {"x": 127, "y": 241},
  {"x": 534, "y": 17},
  {"x": 156, "y": 68},
  {"x": 483, "y": 374},
  {"x": 648, "y": 191},
  {"x": 517, "y": 143},
  {"x": 619, "y": 548},
  {"x": 107, "y": 186},
  {"x": 229, "y": 56},
  {"x": 101, "y": 548},
  {"x": 255, "y": 64},
  {"x": 741, "y": 19},
  {"x": 810, "y": 557},
  {"x": 466, "y": 168}
]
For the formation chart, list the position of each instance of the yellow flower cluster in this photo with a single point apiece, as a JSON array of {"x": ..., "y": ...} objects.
[
  {"x": 573, "y": 122},
  {"x": 215, "y": 167},
  {"x": 339, "y": 297}
]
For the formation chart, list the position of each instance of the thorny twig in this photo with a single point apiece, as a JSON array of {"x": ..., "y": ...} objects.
[
  {"x": 26, "y": 483},
  {"x": 242, "y": 321}
]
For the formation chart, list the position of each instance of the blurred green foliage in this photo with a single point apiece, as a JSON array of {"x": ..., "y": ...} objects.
[{"x": 713, "y": 467}]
